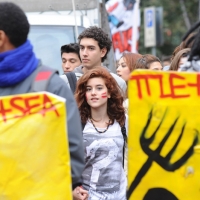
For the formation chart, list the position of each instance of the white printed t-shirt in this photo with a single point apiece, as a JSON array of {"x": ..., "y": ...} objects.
[{"x": 104, "y": 176}]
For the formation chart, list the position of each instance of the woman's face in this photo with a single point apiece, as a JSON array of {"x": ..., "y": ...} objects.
[
  {"x": 155, "y": 66},
  {"x": 123, "y": 70},
  {"x": 97, "y": 93},
  {"x": 182, "y": 61}
]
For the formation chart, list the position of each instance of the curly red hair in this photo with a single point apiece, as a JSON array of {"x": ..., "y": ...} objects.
[{"x": 115, "y": 109}]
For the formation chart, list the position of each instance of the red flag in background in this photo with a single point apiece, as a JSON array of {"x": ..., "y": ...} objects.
[{"x": 124, "y": 21}]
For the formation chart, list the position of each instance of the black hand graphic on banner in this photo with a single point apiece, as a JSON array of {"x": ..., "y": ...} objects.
[{"x": 154, "y": 155}]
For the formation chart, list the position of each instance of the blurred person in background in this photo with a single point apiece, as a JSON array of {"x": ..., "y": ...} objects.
[
  {"x": 70, "y": 57},
  {"x": 193, "y": 62},
  {"x": 187, "y": 42},
  {"x": 149, "y": 61},
  {"x": 179, "y": 59},
  {"x": 166, "y": 61},
  {"x": 126, "y": 65}
]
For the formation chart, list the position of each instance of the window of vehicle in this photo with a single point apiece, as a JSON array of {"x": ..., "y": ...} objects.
[{"x": 47, "y": 40}]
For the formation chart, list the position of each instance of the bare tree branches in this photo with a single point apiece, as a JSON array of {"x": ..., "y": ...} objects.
[{"x": 185, "y": 15}]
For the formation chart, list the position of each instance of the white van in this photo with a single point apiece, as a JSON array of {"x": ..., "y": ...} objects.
[{"x": 49, "y": 31}]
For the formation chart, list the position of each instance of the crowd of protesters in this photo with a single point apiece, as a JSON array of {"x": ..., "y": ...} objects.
[{"x": 97, "y": 116}]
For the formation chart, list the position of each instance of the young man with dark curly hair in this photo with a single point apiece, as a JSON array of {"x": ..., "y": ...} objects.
[
  {"x": 94, "y": 47},
  {"x": 70, "y": 57}
]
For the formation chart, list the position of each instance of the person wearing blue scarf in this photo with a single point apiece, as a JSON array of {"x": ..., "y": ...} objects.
[
  {"x": 17, "y": 64},
  {"x": 18, "y": 69}
]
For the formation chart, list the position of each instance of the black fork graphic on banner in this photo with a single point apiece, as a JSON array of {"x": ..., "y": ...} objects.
[{"x": 154, "y": 155}]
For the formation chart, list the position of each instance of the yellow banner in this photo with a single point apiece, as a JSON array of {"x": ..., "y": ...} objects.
[
  {"x": 164, "y": 136},
  {"x": 34, "y": 156}
]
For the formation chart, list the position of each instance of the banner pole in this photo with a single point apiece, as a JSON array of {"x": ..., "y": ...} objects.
[{"x": 76, "y": 28}]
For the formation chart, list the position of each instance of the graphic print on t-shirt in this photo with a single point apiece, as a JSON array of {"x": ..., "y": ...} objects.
[
  {"x": 103, "y": 175},
  {"x": 108, "y": 157}
]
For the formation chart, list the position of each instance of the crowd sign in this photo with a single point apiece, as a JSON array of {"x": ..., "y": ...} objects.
[
  {"x": 164, "y": 136},
  {"x": 34, "y": 155},
  {"x": 124, "y": 21}
]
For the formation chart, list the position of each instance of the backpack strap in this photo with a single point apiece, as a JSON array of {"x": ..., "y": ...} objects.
[
  {"x": 43, "y": 75},
  {"x": 72, "y": 80},
  {"x": 123, "y": 130}
]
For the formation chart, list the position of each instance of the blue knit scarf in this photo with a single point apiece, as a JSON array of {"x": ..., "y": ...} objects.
[{"x": 16, "y": 65}]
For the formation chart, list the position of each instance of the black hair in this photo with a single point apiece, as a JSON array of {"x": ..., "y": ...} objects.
[
  {"x": 189, "y": 41},
  {"x": 100, "y": 36},
  {"x": 195, "y": 49},
  {"x": 193, "y": 28},
  {"x": 71, "y": 48},
  {"x": 14, "y": 23}
]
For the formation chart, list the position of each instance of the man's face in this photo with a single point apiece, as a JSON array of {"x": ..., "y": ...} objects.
[
  {"x": 70, "y": 61},
  {"x": 5, "y": 44},
  {"x": 91, "y": 53}
]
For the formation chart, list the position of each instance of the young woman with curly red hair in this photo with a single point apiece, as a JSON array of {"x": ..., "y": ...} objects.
[{"x": 101, "y": 109}]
